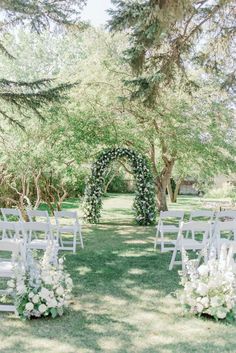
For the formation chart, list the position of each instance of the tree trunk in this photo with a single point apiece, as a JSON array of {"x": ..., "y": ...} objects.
[
  {"x": 162, "y": 178},
  {"x": 108, "y": 183},
  {"x": 170, "y": 191},
  {"x": 161, "y": 199},
  {"x": 177, "y": 187},
  {"x": 161, "y": 183},
  {"x": 61, "y": 198},
  {"x": 38, "y": 190}
]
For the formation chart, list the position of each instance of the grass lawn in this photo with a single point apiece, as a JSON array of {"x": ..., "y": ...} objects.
[{"x": 123, "y": 300}]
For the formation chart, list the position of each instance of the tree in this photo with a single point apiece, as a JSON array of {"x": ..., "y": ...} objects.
[
  {"x": 24, "y": 96},
  {"x": 171, "y": 43},
  {"x": 166, "y": 35}
]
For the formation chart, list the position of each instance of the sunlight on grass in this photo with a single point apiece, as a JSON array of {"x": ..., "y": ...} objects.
[
  {"x": 83, "y": 270},
  {"x": 136, "y": 271}
]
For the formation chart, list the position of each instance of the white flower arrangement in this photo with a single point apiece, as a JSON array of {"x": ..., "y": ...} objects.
[
  {"x": 210, "y": 289},
  {"x": 43, "y": 289}
]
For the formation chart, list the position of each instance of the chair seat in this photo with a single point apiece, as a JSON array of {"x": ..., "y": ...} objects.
[
  {"x": 38, "y": 244},
  {"x": 6, "y": 268},
  {"x": 226, "y": 241},
  {"x": 169, "y": 229}
]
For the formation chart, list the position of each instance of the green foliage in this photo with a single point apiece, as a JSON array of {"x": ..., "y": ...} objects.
[
  {"x": 144, "y": 203},
  {"x": 25, "y": 97},
  {"x": 226, "y": 191},
  {"x": 167, "y": 35}
]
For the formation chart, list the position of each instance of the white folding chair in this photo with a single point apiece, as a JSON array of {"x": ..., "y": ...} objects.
[
  {"x": 200, "y": 215},
  {"x": 7, "y": 265},
  {"x": 224, "y": 233},
  {"x": 39, "y": 235},
  {"x": 168, "y": 223},
  {"x": 62, "y": 227},
  {"x": 183, "y": 242}
]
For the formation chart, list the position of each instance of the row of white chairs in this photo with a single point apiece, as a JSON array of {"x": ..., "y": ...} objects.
[
  {"x": 40, "y": 224},
  {"x": 19, "y": 237},
  {"x": 169, "y": 223},
  {"x": 205, "y": 236}
]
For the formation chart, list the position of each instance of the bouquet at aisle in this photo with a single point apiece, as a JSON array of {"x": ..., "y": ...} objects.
[
  {"x": 43, "y": 288},
  {"x": 210, "y": 289}
]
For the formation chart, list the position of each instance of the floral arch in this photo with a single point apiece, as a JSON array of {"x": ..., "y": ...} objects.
[{"x": 144, "y": 203}]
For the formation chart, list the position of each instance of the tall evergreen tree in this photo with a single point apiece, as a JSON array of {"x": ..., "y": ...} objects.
[
  {"x": 26, "y": 97},
  {"x": 165, "y": 35}
]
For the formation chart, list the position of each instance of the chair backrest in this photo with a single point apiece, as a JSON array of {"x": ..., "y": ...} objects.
[
  {"x": 172, "y": 214},
  {"x": 226, "y": 214},
  {"x": 66, "y": 215},
  {"x": 202, "y": 214},
  {"x": 223, "y": 232},
  {"x": 11, "y": 229},
  {"x": 171, "y": 217},
  {"x": 38, "y": 227},
  {"x": 35, "y": 214},
  {"x": 196, "y": 227},
  {"x": 8, "y": 212},
  {"x": 226, "y": 226},
  {"x": 6, "y": 225},
  {"x": 33, "y": 229},
  {"x": 10, "y": 246},
  {"x": 15, "y": 248}
]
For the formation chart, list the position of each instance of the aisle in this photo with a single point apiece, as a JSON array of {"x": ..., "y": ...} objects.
[{"x": 122, "y": 302}]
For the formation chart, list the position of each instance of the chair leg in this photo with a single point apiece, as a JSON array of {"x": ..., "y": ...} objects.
[
  {"x": 74, "y": 242},
  {"x": 162, "y": 242},
  {"x": 155, "y": 241},
  {"x": 81, "y": 240},
  {"x": 173, "y": 259}
]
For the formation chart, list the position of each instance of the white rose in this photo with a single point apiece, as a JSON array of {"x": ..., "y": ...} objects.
[
  {"x": 48, "y": 280},
  {"x": 35, "y": 299},
  {"x": 215, "y": 301},
  {"x": 31, "y": 294},
  {"x": 229, "y": 276},
  {"x": 199, "y": 307},
  {"x": 44, "y": 293},
  {"x": 42, "y": 308},
  {"x": 221, "y": 313},
  {"x": 203, "y": 270},
  {"x": 60, "y": 291},
  {"x": 52, "y": 303},
  {"x": 202, "y": 289},
  {"x": 29, "y": 306},
  {"x": 69, "y": 282},
  {"x": 205, "y": 302},
  {"x": 21, "y": 288}
]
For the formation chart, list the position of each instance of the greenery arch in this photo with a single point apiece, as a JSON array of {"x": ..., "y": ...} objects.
[{"x": 144, "y": 203}]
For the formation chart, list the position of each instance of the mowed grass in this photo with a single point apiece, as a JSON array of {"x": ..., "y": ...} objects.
[{"x": 123, "y": 298}]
